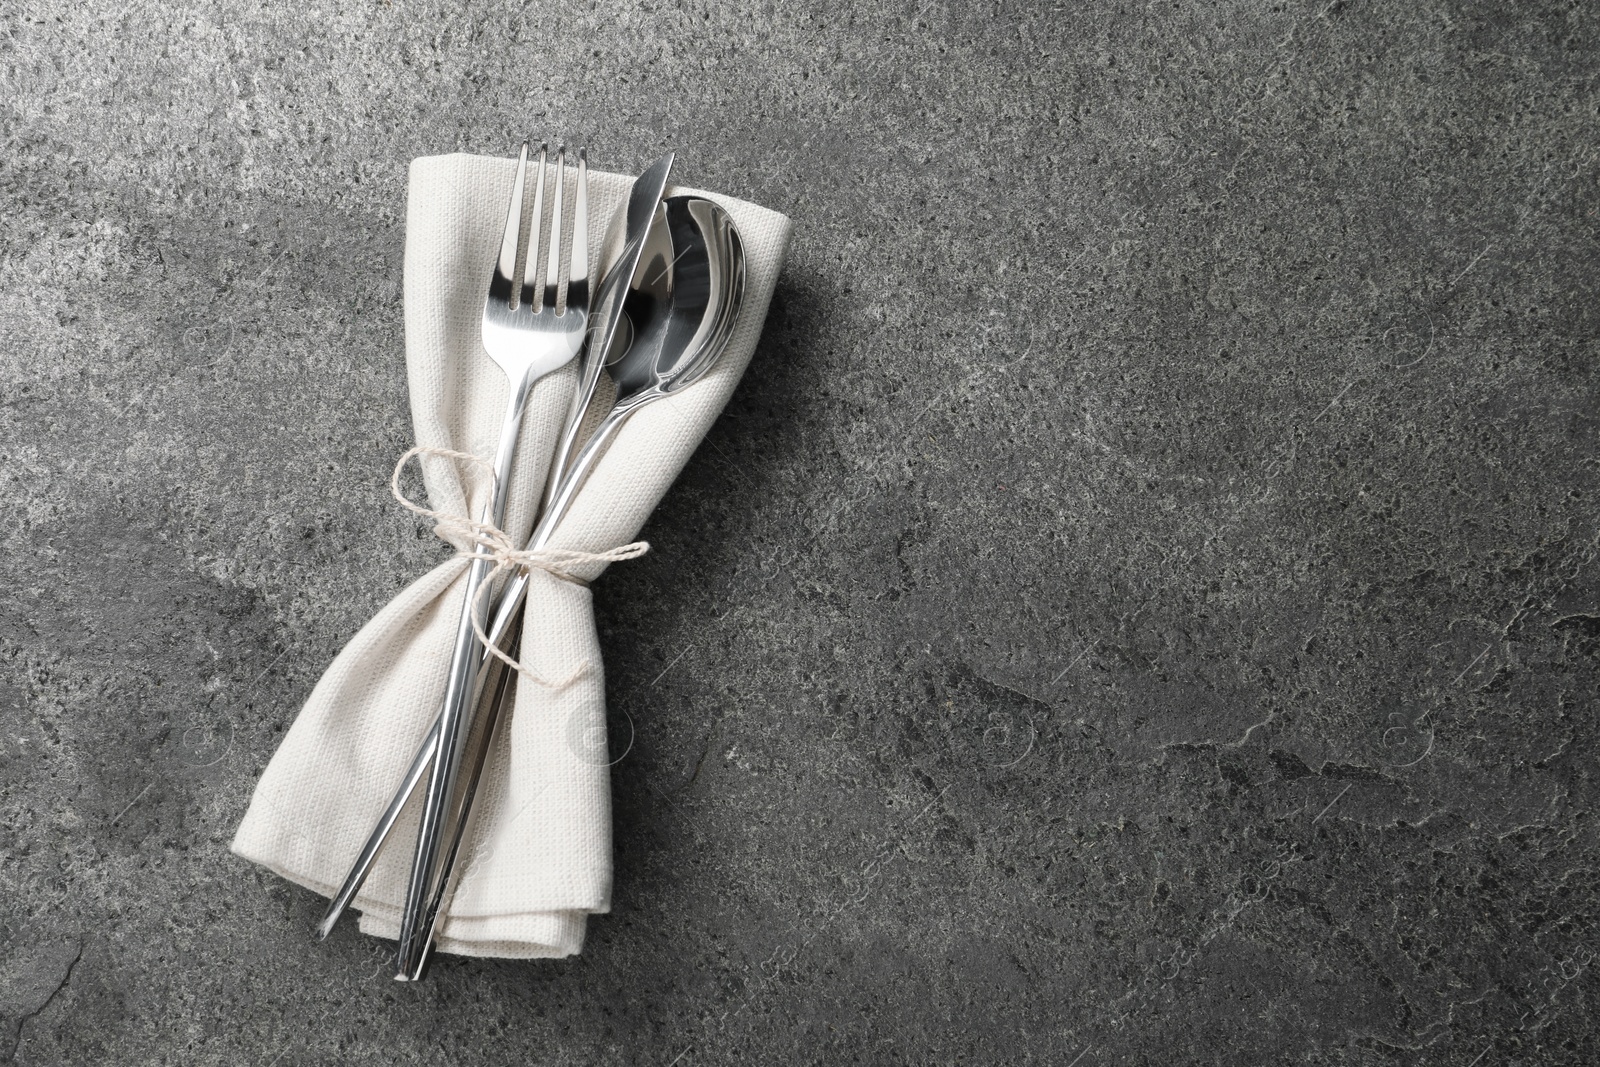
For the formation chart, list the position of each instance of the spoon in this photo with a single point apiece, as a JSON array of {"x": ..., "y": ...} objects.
[{"x": 671, "y": 351}]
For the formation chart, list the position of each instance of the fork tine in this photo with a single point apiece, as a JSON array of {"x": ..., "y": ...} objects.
[
  {"x": 552, "y": 278},
  {"x": 530, "y": 272},
  {"x": 578, "y": 273},
  {"x": 507, "y": 266}
]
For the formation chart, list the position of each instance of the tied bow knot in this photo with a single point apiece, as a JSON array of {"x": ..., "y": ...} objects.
[{"x": 477, "y": 540}]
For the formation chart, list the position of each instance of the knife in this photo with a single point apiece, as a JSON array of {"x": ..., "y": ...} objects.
[{"x": 641, "y": 211}]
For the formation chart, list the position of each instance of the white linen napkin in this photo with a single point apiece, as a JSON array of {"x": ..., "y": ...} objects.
[{"x": 540, "y": 861}]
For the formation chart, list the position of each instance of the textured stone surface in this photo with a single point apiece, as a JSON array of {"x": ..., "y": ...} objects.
[{"x": 1142, "y": 606}]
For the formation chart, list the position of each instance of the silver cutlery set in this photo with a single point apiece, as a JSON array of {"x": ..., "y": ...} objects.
[{"x": 658, "y": 321}]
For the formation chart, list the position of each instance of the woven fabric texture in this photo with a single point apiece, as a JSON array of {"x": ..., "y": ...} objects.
[{"x": 540, "y": 860}]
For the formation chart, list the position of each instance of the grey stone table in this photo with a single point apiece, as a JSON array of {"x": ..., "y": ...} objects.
[{"x": 1144, "y": 608}]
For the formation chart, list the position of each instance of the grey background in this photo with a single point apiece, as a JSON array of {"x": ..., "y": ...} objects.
[{"x": 1141, "y": 606}]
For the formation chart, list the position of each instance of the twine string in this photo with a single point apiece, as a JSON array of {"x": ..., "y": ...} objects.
[{"x": 476, "y": 540}]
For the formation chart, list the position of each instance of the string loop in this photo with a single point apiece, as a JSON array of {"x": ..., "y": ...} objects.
[{"x": 476, "y": 540}]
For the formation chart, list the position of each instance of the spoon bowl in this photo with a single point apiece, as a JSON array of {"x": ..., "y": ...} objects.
[
  {"x": 676, "y": 349},
  {"x": 677, "y": 344}
]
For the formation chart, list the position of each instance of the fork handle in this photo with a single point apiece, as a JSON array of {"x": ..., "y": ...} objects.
[{"x": 455, "y": 711}]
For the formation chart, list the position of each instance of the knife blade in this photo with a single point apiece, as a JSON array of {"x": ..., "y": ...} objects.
[{"x": 643, "y": 200}]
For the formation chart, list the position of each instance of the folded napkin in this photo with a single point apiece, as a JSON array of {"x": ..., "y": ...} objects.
[{"x": 540, "y": 859}]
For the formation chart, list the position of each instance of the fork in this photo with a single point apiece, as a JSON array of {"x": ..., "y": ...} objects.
[{"x": 528, "y": 336}]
